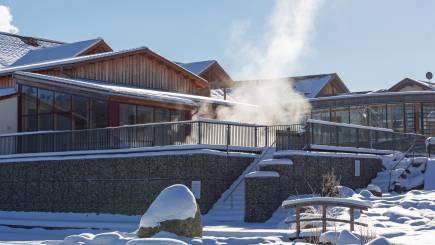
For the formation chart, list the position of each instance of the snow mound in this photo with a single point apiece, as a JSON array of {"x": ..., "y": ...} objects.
[
  {"x": 329, "y": 237},
  {"x": 366, "y": 194},
  {"x": 113, "y": 238},
  {"x": 344, "y": 191},
  {"x": 175, "y": 202},
  {"x": 346, "y": 237},
  {"x": 155, "y": 241},
  {"x": 372, "y": 187},
  {"x": 429, "y": 175},
  {"x": 379, "y": 241}
]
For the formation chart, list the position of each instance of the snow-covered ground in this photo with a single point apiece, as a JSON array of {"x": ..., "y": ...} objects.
[
  {"x": 407, "y": 218},
  {"x": 402, "y": 218}
]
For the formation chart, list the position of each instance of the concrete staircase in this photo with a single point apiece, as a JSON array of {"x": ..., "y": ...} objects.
[{"x": 230, "y": 207}]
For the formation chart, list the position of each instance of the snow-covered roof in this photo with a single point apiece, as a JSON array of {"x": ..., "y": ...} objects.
[
  {"x": 63, "y": 51},
  {"x": 111, "y": 88},
  {"x": 13, "y": 47},
  {"x": 353, "y": 96},
  {"x": 425, "y": 85},
  {"x": 104, "y": 87},
  {"x": 197, "y": 67},
  {"x": 311, "y": 86}
]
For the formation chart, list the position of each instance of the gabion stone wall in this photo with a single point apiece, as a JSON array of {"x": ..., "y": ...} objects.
[
  {"x": 124, "y": 185},
  {"x": 265, "y": 194}
]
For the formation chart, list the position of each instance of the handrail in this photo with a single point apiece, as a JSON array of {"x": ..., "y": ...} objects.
[
  {"x": 401, "y": 159},
  {"x": 250, "y": 168}
]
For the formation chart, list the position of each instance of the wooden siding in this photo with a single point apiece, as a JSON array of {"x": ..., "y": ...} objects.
[{"x": 136, "y": 69}]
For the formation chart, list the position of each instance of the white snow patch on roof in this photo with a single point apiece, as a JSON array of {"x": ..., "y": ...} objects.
[
  {"x": 175, "y": 202},
  {"x": 197, "y": 67},
  {"x": 116, "y": 89},
  {"x": 311, "y": 86},
  {"x": 63, "y": 51},
  {"x": 13, "y": 47}
]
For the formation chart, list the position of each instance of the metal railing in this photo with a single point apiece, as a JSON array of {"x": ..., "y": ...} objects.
[
  {"x": 324, "y": 135},
  {"x": 211, "y": 132}
]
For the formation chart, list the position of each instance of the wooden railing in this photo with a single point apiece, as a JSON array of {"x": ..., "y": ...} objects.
[
  {"x": 210, "y": 132},
  {"x": 324, "y": 203}
]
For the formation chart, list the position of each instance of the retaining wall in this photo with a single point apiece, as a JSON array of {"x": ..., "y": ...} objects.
[
  {"x": 265, "y": 194},
  {"x": 122, "y": 185}
]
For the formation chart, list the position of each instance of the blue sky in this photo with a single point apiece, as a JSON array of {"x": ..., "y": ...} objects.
[{"x": 370, "y": 44}]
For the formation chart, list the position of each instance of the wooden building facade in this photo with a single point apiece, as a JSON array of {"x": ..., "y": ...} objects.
[{"x": 103, "y": 90}]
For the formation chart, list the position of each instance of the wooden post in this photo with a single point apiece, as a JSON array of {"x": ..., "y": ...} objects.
[
  {"x": 298, "y": 222},
  {"x": 352, "y": 219},
  {"x": 324, "y": 218}
]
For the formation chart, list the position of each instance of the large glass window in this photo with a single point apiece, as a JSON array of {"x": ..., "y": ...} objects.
[
  {"x": 411, "y": 118},
  {"x": 127, "y": 114},
  {"x": 321, "y": 114},
  {"x": 144, "y": 114},
  {"x": 161, "y": 115},
  {"x": 358, "y": 115},
  {"x": 429, "y": 118},
  {"x": 62, "y": 108},
  {"x": 80, "y": 112},
  {"x": 28, "y": 100},
  {"x": 99, "y": 118},
  {"x": 45, "y": 99},
  {"x": 395, "y": 117},
  {"x": 43, "y": 109},
  {"x": 378, "y": 116},
  {"x": 340, "y": 115},
  {"x": 177, "y": 116}
]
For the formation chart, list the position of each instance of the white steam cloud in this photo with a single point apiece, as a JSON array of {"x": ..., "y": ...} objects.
[
  {"x": 6, "y": 20},
  {"x": 277, "y": 54}
]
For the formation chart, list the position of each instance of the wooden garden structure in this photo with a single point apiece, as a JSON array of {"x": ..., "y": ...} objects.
[{"x": 324, "y": 203}]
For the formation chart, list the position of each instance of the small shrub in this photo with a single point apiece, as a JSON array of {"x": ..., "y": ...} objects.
[{"x": 329, "y": 184}]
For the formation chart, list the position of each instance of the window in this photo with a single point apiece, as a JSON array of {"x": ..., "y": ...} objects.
[
  {"x": 62, "y": 102},
  {"x": 127, "y": 114},
  {"x": 45, "y": 99},
  {"x": 80, "y": 112},
  {"x": 28, "y": 100},
  {"x": 358, "y": 115},
  {"x": 429, "y": 118},
  {"x": 29, "y": 123},
  {"x": 378, "y": 116},
  {"x": 177, "y": 116},
  {"x": 99, "y": 114},
  {"x": 144, "y": 114},
  {"x": 395, "y": 117},
  {"x": 62, "y": 108},
  {"x": 45, "y": 122},
  {"x": 321, "y": 114},
  {"x": 340, "y": 115},
  {"x": 162, "y": 115}
]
